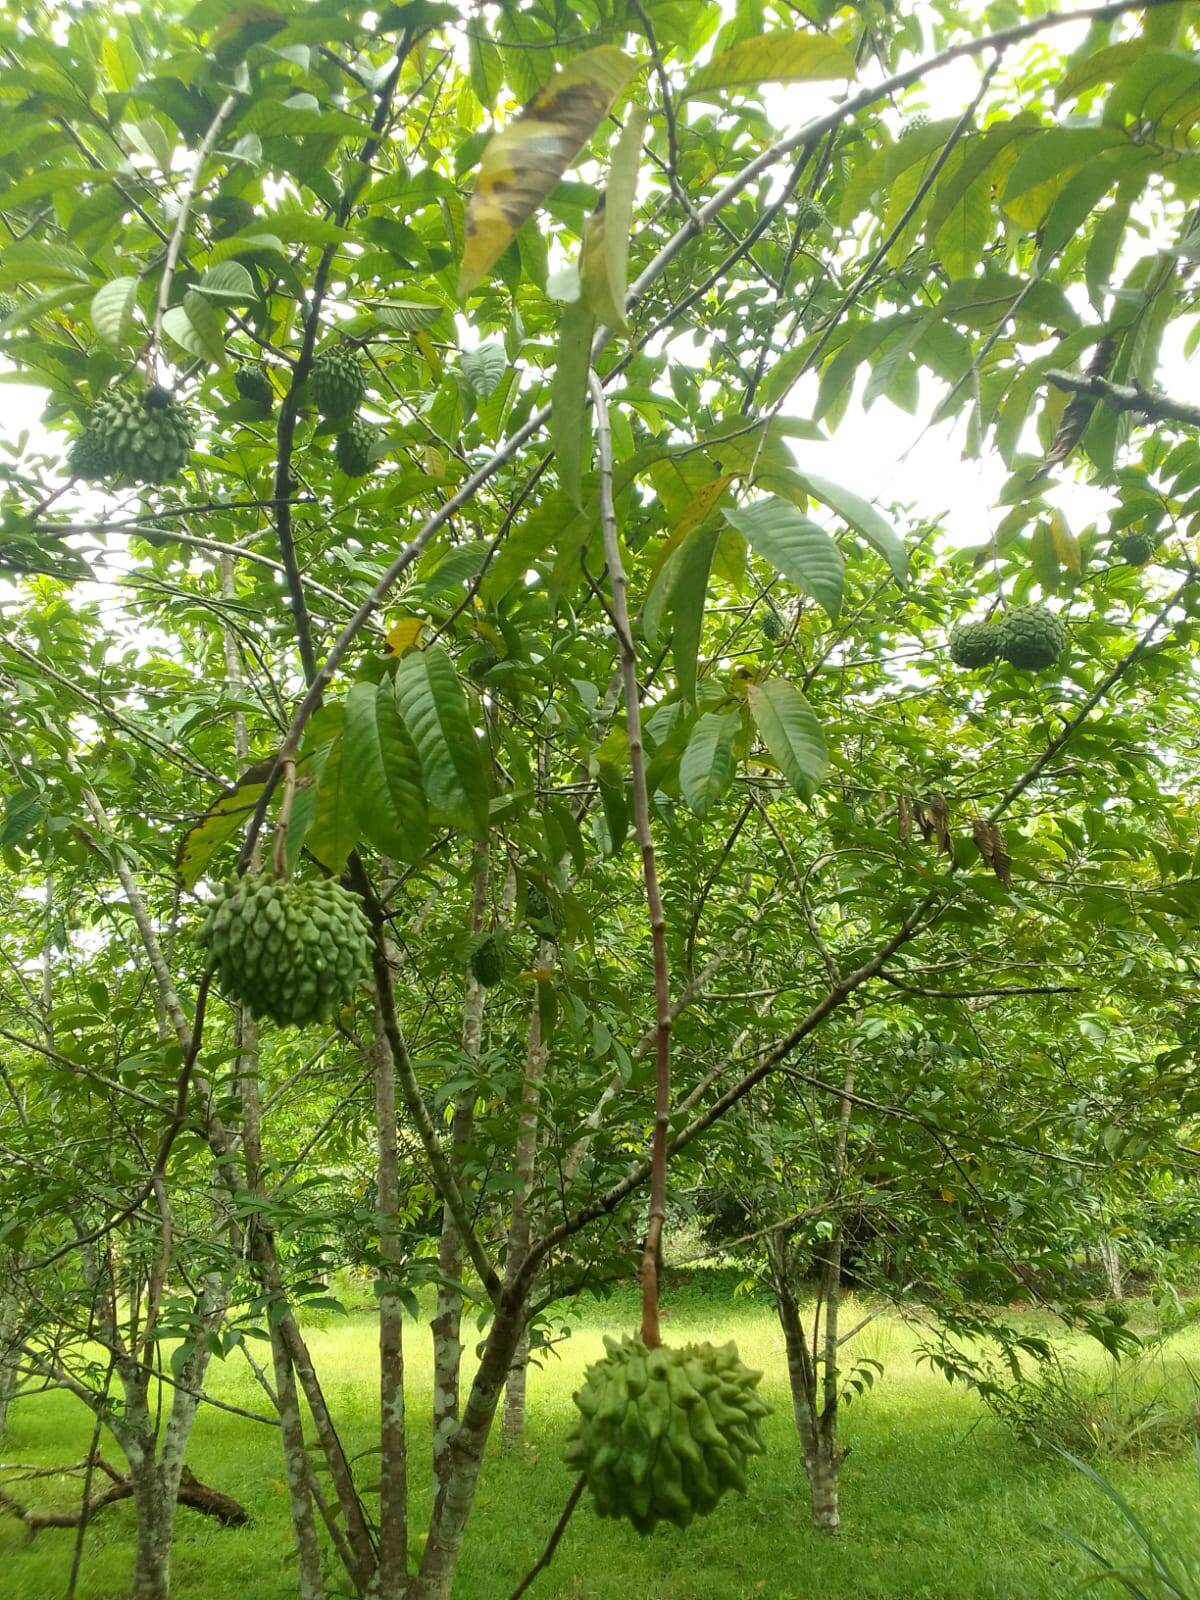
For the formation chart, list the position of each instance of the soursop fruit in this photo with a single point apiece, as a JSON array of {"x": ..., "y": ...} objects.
[
  {"x": 1137, "y": 548},
  {"x": 252, "y": 384},
  {"x": 538, "y": 910},
  {"x": 291, "y": 952},
  {"x": 148, "y": 436},
  {"x": 974, "y": 644},
  {"x": 487, "y": 961},
  {"x": 88, "y": 457},
  {"x": 662, "y": 1434},
  {"x": 810, "y": 214},
  {"x": 913, "y": 125},
  {"x": 7, "y": 306},
  {"x": 1031, "y": 637},
  {"x": 353, "y": 449},
  {"x": 772, "y": 626},
  {"x": 338, "y": 382}
]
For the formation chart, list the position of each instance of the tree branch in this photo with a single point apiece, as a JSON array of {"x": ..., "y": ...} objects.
[{"x": 1127, "y": 397}]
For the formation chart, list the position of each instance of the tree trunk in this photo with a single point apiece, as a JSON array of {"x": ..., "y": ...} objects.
[
  {"x": 295, "y": 1471},
  {"x": 447, "y": 1322},
  {"x": 822, "y": 1469},
  {"x": 391, "y": 1580},
  {"x": 8, "y": 1355},
  {"x": 512, "y": 1430},
  {"x": 155, "y": 1526},
  {"x": 456, "y": 1493},
  {"x": 816, "y": 1422},
  {"x": 1110, "y": 1256}
]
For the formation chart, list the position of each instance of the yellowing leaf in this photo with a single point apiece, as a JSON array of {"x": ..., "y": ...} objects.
[
  {"x": 525, "y": 160},
  {"x": 404, "y": 635},
  {"x": 778, "y": 57},
  {"x": 606, "y": 242}
]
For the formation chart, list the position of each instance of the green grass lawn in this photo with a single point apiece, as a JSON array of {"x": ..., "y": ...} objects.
[{"x": 939, "y": 1502}]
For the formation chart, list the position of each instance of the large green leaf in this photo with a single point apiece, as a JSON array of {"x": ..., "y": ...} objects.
[
  {"x": 484, "y": 366},
  {"x": 524, "y": 161},
  {"x": 437, "y": 713},
  {"x": 227, "y": 815},
  {"x": 777, "y": 57},
  {"x": 707, "y": 766},
  {"x": 606, "y": 242},
  {"x": 689, "y": 589},
  {"x": 795, "y": 546},
  {"x": 334, "y": 829},
  {"x": 382, "y": 765},
  {"x": 112, "y": 309},
  {"x": 864, "y": 518},
  {"x": 791, "y": 733},
  {"x": 569, "y": 430}
]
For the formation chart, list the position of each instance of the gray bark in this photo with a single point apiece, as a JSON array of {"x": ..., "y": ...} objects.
[{"x": 391, "y": 1580}]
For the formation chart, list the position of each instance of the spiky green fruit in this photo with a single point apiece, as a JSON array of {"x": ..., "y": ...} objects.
[
  {"x": 147, "y": 434},
  {"x": 538, "y": 909},
  {"x": 1031, "y": 637},
  {"x": 974, "y": 644},
  {"x": 487, "y": 961},
  {"x": 7, "y": 306},
  {"x": 810, "y": 214},
  {"x": 772, "y": 627},
  {"x": 293, "y": 952},
  {"x": 353, "y": 449},
  {"x": 88, "y": 457},
  {"x": 338, "y": 382},
  {"x": 662, "y": 1434},
  {"x": 1137, "y": 548},
  {"x": 252, "y": 384},
  {"x": 913, "y": 125},
  {"x": 482, "y": 662}
]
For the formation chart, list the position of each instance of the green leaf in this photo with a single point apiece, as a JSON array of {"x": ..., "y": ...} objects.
[
  {"x": 334, "y": 829},
  {"x": 779, "y": 57},
  {"x": 864, "y": 518},
  {"x": 227, "y": 816},
  {"x": 382, "y": 765},
  {"x": 707, "y": 767},
  {"x": 524, "y": 161},
  {"x": 112, "y": 310},
  {"x": 484, "y": 367},
  {"x": 229, "y": 282},
  {"x": 795, "y": 546},
  {"x": 791, "y": 733},
  {"x": 197, "y": 327},
  {"x": 454, "y": 764},
  {"x": 689, "y": 590},
  {"x": 569, "y": 430},
  {"x": 604, "y": 263},
  {"x": 274, "y": 119}
]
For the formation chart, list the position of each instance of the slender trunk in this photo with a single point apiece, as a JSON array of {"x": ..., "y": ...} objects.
[
  {"x": 392, "y": 1577},
  {"x": 155, "y": 1519},
  {"x": 1110, "y": 1256},
  {"x": 447, "y": 1322},
  {"x": 456, "y": 1493},
  {"x": 816, "y": 1423},
  {"x": 524, "y": 1168},
  {"x": 512, "y": 1430},
  {"x": 296, "y": 1472},
  {"x": 9, "y": 1352}
]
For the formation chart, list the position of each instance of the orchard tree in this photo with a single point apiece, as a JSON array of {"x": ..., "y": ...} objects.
[{"x": 436, "y": 676}]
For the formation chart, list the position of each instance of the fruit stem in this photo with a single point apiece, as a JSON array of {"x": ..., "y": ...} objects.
[
  {"x": 652, "y": 1251},
  {"x": 279, "y": 860}
]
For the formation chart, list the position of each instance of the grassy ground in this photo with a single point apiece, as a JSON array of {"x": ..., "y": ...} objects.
[{"x": 939, "y": 1502}]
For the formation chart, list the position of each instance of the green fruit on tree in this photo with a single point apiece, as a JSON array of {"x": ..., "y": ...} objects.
[
  {"x": 975, "y": 644},
  {"x": 7, "y": 307},
  {"x": 338, "y": 382},
  {"x": 487, "y": 961},
  {"x": 537, "y": 908},
  {"x": 482, "y": 663},
  {"x": 810, "y": 214},
  {"x": 1032, "y": 637},
  {"x": 148, "y": 436},
  {"x": 353, "y": 449},
  {"x": 662, "y": 1434},
  {"x": 88, "y": 457},
  {"x": 913, "y": 125},
  {"x": 772, "y": 626},
  {"x": 291, "y": 952},
  {"x": 252, "y": 384},
  {"x": 1137, "y": 548}
]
